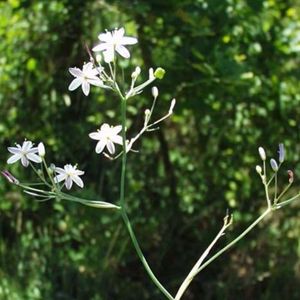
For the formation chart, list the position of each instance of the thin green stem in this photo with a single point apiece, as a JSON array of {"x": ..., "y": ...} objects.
[
  {"x": 245, "y": 232},
  {"x": 123, "y": 204}
]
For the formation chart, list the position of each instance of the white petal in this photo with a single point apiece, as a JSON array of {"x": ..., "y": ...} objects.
[
  {"x": 14, "y": 150},
  {"x": 100, "y": 47},
  {"x": 109, "y": 55},
  {"x": 60, "y": 170},
  {"x": 105, "y": 37},
  {"x": 96, "y": 82},
  {"x": 27, "y": 145},
  {"x": 14, "y": 158},
  {"x": 77, "y": 180},
  {"x": 75, "y": 84},
  {"x": 104, "y": 127},
  {"x": 76, "y": 72},
  {"x": 100, "y": 146},
  {"x": 111, "y": 147},
  {"x": 94, "y": 72},
  {"x": 116, "y": 129},
  {"x": 95, "y": 135},
  {"x": 85, "y": 87},
  {"x": 24, "y": 161},
  {"x": 126, "y": 40},
  {"x": 119, "y": 33},
  {"x": 60, "y": 178},
  {"x": 117, "y": 139},
  {"x": 68, "y": 183},
  {"x": 87, "y": 67},
  {"x": 123, "y": 51},
  {"x": 79, "y": 172},
  {"x": 34, "y": 157},
  {"x": 33, "y": 150}
]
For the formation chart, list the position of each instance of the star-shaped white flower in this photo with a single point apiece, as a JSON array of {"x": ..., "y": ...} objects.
[
  {"x": 88, "y": 75},
  {"x": 114, "y": 41},
  {"x": 26, "y": 152},
  {"x": 69, "y": 174},
  {"x": 107, "y": 136}
]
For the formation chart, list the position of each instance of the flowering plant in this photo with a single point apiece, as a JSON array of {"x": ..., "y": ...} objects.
[{"x": 113, "y": 138}]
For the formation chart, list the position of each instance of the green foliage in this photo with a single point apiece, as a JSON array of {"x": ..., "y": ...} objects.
[{"x": 233, "y": 68}]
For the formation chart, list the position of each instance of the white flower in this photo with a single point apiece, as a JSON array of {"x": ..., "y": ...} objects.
[
  {"x": 114, "y": 41},
  {"x": 85, "y": 77},
  {"x": 26, "y": 152},
  {"x": 69, "y": 173},
  {"x": 107, "y": 136}
]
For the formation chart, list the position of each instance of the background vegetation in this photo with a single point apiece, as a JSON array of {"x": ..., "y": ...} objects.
[{"x": 233, "y": 66}]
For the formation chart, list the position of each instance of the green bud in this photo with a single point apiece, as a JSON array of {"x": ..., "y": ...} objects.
[{"x": 159, "y": 73}]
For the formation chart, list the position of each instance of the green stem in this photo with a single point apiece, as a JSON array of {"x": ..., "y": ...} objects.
[
  {"x": 245, "y": 232},
  {"x": 123, "y": 205}
]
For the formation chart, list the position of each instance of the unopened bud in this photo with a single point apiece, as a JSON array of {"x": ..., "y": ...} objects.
[
  {"x": 147, "y": 112},
  {"x": 274, "y": 164},
  {"x": 154, "y": 91},
  {"x": 258, "y": 169},
  {"x": 262, "y": 153},
  {"x": 10, "y": 178},
  {"x": 136, "y": 73},
  {"x": 281, "y": 153},
  {"x": 159, "y": 73},
  {"x": 291, "y": 176},
  {"x": 151, "y": 74},
  {"x": 173, "y": 102},
  {"x": 41, "y": 149}
]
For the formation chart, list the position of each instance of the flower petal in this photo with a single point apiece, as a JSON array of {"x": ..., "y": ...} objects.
[
  {"x": 126, "y": 40},
  {"x": 68, "y": 183},
  {"x": 95, "y": 135},
  {"x": 109, "y": 55},
  {"x": 116, "y": 129},
  {"x": 14, "y": 150},
  {"x": 75, "y": 84},
  {"x": 34, "y": 157},
  {"x": 123, "y": 51},
  {"x": 100, "y": 146},
  {"x": 60, "y": 178},
  {"x": 117, "y": 139},
  {"x": 76, "y": 72},
  {"x": 111, "y": 147},
  {"x": 96, "y": 82},
  {"x": 85, "y": 87},
  {"x": 24, "y": 161},
  {"x": 77, "y": 180},
  {"x": 60, "y": 170},
  {"x": 14, "y": 158},
  {"x": 105, "y": 37},
  {"x": 100, "y": 47},
  {"x": 27, "y": 145}
]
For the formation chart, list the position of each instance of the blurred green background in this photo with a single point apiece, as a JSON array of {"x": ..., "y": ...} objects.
[{"x": 233, "y": 66}]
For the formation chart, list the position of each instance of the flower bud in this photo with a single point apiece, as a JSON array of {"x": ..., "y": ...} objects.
[
  {"x": 154, "y": 91},
  {"x": 151, "y": 74},
  {"x": 41, "y": 149},
  {"x": 136, "y": 73},
  {"x": 159, "y": 73},
  {"x": 281, "y": 153},
  {"x": 291, "y": 176},
  {"x": 173, "y": 102},
  {"x": 258, "y": 169},
  {"x": 147, "y": 112},
  {"x": 262, "y": 153},
  {"x": 10, "y": 178},
  {"x": 274, "y": 164}
]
